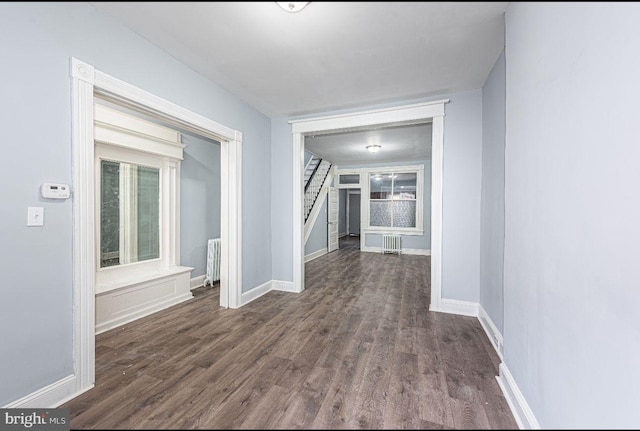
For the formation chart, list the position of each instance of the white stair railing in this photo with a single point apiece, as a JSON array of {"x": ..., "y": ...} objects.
[{"x": 315, "y": 184}]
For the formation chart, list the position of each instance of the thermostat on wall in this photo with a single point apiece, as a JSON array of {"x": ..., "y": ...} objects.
[{"x": 55, "y": 191}]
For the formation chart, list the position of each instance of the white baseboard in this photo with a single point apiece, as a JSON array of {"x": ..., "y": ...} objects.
[
  {"x": 341, "y": 235},
  {"x": 453, "y": 306},
  {"x": 411, "y": 251},
  {"x": 316, "y": 254},
  {"x": 142, "y": 312},
  {"x": 51, "y": 396},
  {"x": 518, "y": 404},
  {"x": 491, "y": 329},
  {"x": 284, "y": 286},
  {"x": 197, "y": 281},
  {"x": 256, "y": 292}
]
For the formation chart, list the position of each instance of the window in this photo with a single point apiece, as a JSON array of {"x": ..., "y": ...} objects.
[
  {"x": 350, "y": 179},
  {"x": 137, "y": 190},
  {"x": 393, "y": 200},
  {"x": 129, "y": 213}
]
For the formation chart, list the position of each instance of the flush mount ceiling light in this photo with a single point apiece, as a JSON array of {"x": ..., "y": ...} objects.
[
  {"x": 292, "y": 6},
  {"x": 373, "y": 148}
]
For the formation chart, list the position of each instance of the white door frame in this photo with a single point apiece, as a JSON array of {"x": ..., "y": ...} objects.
[
  {"x": 329, "y": 222},
  {"x": 401, "y": 115},
  {"x": 86, "y": 83}
]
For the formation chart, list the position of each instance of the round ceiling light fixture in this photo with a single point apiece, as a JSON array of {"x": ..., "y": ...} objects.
[
  {"x": 373, "y": 148},
  {"x": 292, "y": 6}
]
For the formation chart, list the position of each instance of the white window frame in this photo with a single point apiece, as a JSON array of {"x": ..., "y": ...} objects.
[{"x": 411, "y": 169}]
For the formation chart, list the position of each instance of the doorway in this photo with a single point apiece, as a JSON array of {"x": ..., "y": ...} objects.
[
  {"x": 396, "y": 116},
  {"x": 87, "y": 84}
]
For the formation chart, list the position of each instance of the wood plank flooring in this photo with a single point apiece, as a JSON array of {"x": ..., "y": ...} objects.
[{"x": 358, "y": 349}]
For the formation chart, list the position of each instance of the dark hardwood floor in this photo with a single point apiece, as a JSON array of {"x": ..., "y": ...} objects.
[{"x": 357, "y": 349}]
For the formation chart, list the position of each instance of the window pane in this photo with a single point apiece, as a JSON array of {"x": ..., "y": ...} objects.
[
  {"x": 404, "y": 213},
  {"x": 380, "y": 213},
  {"x": 110, "y": 214},
  {"x": 350, "y": 179},
  {"x": 380, "y": 186},
  {"x": 404, "y": 186},
  {"x": 129, "y": 213}
]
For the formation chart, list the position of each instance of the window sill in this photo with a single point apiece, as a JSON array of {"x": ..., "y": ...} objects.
[
  {"x": 140, "y": 278},
  {"x": 396, "y": 231}
]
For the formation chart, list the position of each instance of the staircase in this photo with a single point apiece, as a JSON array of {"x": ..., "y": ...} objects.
[
  {"x": 315, "y": 174},
  {"x": 310, "y": 169}
]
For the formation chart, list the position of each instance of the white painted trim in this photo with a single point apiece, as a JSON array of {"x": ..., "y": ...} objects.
[
  {"x": 316, "y": 254},
  {"x": 437, "y": 149},
  {"x": 142, "y": 312},
  {"x": 491, "y": 330},
  {"x": 50, "y": 396},
  {"x": 85, "y": 83},
  {"x": 298, "y": 213},
  {"x": 315, "y": 211},
  {"x": 519, "y": 407},
  {"x": 407, "y": 114},
  {"x": 454, "y": 306},
  {"x": 342, "y": 235},
  {"x": 255, "y": 293},
  {"x": 393, "y": 231},
  {"x": 411, "y": 251},
  {"x": 196, "y": 282},
  {"x": 284, "y": 286}
]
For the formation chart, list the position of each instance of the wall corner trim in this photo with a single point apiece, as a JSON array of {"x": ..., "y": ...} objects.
[
  {"x": 264, "y": 288},
  {"x": 50, "y": 396},
  {"x": 454, "y": 306},
  {"x": 315, "y": 255},
  {"x": 519, "y": 407},
  {"x": 491, "y": 330}
]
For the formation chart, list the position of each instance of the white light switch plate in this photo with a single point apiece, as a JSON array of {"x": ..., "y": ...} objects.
[{"x": 35, "y": 216}]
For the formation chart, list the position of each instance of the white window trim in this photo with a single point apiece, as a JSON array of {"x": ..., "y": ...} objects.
[
  {"x": 366, "y": 200},
  {"x": 86, "y": 83}
]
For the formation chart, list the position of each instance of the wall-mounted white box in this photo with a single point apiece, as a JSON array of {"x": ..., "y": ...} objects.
[{"x": 35, "y": 216}]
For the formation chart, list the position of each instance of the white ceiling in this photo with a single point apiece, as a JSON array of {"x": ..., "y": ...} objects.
[
  {"x": 398, "y": 144},
  {"x": 329, "y": 56}
]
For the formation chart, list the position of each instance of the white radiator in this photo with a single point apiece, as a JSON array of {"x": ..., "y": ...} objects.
[
  {"x": 213, "y": 261},
  {"x": 391, "y": 244}
]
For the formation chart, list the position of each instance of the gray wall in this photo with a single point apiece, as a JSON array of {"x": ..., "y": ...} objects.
[
  {"x": 571, "y": 284},
  {"x": 38, "y": 40},
  {"x": 318, "y": 236},
  {"x": 461, "y": 189},
  {"x": 342, "y": 212},
  {"x": 199, "y": 201},
  {"x": 492, "y": 204},
  {"x": 307, "y": 157},
  {"x": 354, "y": 213}
]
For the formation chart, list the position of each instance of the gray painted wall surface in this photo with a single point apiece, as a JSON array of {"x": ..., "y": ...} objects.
[
  {"x": 571, "y": 285},
  {"x": 38, "y": 41},
  {"x": 318, "y": 236},
  {"x": 307, "y": 157},
  {"x": 342, "y": 212},
  {"x": 492, "y": 203},
  {"x": 461, "y": 189},
  {"x": 199, "y": 201},
  {"x": 354, "y": 213}
]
